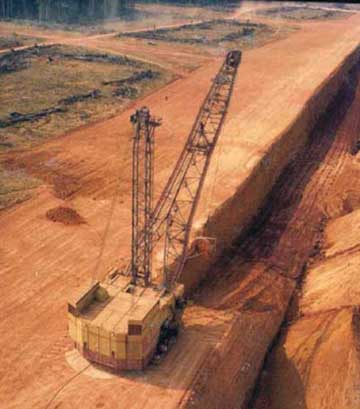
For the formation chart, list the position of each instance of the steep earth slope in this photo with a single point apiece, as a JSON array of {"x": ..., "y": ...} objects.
[{"x": 315, "y": 363}]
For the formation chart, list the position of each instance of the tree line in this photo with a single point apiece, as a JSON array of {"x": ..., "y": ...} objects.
[
  {"x": 63, "y": 10},
  {"x": 75, "y": 11},
  {"x": 195, "y": 2}
]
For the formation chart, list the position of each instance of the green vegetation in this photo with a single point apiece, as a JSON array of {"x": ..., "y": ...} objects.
[
  {"x": 16, "y": 40},
  {"x": 58, "y": 88}
]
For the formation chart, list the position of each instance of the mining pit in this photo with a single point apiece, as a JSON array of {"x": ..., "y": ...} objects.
[
  {"x": 273, "y": 318},
  {"x": 261, "y": 275}
]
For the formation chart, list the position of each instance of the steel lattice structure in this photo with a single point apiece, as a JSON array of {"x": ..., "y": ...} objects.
[
  {"x": 142, "y": 194},
  {"x": 173, "y": 215}
]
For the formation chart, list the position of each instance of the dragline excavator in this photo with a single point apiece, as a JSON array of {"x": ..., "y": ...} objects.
[{"x": 132, "y": 317}]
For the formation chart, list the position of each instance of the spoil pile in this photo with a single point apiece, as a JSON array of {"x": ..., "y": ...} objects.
[
  {"x": 316, "y": 362},
  {"x": 72, "y": 99},
  {"x": 135, "y": 77},
  {"x": 127, "y": 91},
  {"x": 16, "y": 117},
  {"x": 64, "y": 215},
  {"x": 267, "y": 263}
]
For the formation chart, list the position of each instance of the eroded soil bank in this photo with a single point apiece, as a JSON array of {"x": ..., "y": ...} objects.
[
  {"x": 232, "y": 218},
  {"x": 257, "y": 277},
  {"x": 315, "y": 361}
]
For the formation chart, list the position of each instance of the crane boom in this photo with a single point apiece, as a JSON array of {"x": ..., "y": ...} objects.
[
  {"x": 172, "y": 218},
  {"x": 190, "y": 171},
  {"x": 124, "y": 322}
]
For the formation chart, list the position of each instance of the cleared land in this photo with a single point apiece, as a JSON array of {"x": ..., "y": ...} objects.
[
  {"x": 235, "y": 317},
  {"x": 302, "y": 13},
  {"x": 227, "y": 34},
  {"x": 79, "y": 85},
  {"x": 50, "y": 90}
]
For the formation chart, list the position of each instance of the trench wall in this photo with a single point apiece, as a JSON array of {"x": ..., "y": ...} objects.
[
  {"x": 232, "y": 218},
  {"x": 229, "y": 375}
]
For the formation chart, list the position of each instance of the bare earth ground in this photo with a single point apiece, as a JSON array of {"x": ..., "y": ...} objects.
[
  {"x": 43, "y": 261},
  {"x": 316, "y": 362}
]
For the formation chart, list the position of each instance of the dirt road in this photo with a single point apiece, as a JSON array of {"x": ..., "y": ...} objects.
[{"x": 43, "y": 261}]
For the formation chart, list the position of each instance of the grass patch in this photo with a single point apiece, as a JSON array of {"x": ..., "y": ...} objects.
[
  {"x": 56, "y": 88},
  {"x": 302, "y": 13},
  {"x": 15, "y": 40}
]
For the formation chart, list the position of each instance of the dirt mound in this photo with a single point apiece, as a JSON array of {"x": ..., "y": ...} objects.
[
  {"x": 316, "y": 362},
  {"x": 316, "y": 365},
  {"x": 64, "y": 215}
]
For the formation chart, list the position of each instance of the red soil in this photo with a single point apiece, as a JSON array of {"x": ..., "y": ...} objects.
[
  {"x": 64, "y": 215},
  {"x": 236, "y": 316}
]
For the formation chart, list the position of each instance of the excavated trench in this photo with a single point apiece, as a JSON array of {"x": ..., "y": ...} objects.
[{"x": 260, "y": 276}]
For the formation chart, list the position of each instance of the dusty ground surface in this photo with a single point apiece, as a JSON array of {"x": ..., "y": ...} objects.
[{"x": 43, "y": 261}]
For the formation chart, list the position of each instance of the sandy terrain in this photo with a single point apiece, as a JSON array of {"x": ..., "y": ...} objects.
[{"x": 233, "y": 319}]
